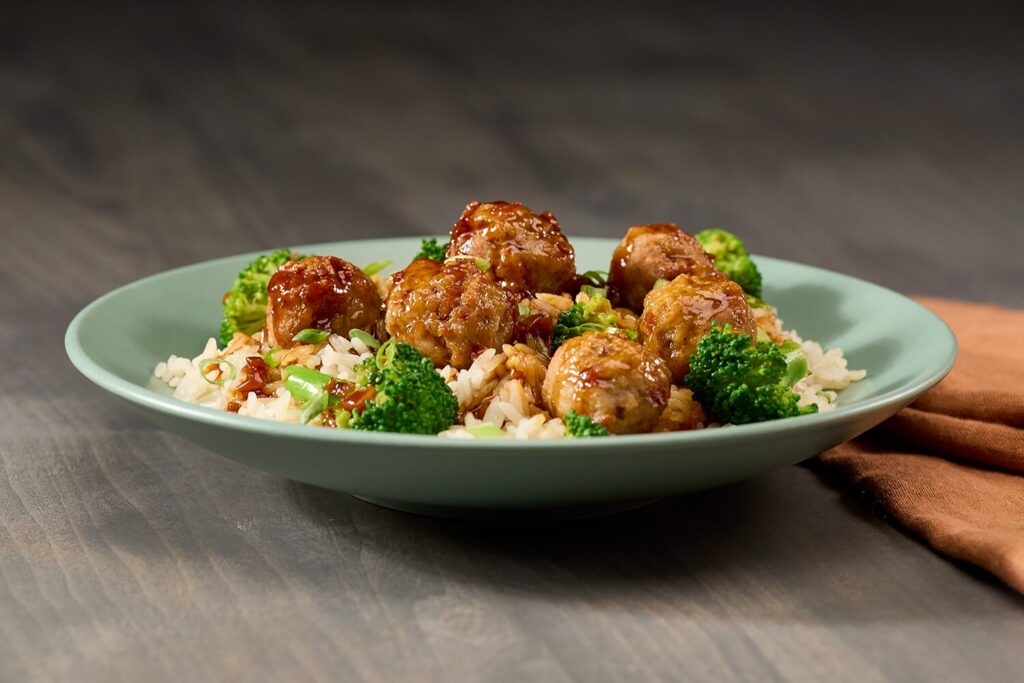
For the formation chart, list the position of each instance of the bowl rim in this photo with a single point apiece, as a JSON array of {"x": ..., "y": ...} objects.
[{"x": 133, "y": 393}]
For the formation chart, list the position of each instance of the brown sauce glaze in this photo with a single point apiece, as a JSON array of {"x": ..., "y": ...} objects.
[
  {"x": 357, "y": 399},
  {"x": 450, "y": 311},
  {"x": 527, "y": 251},
  {"x": 649, "y": 253},
  {"x": 677, "y": 316},
  {"x": 323, "y": 293},
  {"x": 255, "y": 376},
  {"x": 609, "y": 378}
]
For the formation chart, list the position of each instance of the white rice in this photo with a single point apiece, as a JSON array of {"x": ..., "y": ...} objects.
[
  {"x": 829, "y": 374},
  {"x": 472, "y": 385},
  {"x": 487, "y": 381},
  {"x": 337, "y": 358}
]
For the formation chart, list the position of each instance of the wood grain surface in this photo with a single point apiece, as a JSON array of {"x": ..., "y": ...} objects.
[{"x": 884, "y": 143}]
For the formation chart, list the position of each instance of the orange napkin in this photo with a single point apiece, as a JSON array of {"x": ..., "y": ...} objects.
[{"x": 949, "y": 467}]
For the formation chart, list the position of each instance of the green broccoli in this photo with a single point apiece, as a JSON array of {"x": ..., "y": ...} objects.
[
  {"x": 595, "y": 315},
  {"x": 411, "y": 397},
  {"x": 245, "y": 305},
  {"x": 731, "y": 258},
  {"x": 579, "y": 426},
  {"x": 432, "y": 250},
  {"x": 738, "y": 381}
]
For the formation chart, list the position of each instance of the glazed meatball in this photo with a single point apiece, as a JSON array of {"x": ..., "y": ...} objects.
[
  {"x": 680, "y": 314},
  {"x": 321, "y": 292},
  {"x": 611, "y": 379},
  {"x": 449, "y": 311},
  {"x": 649, "y": 253},
  {"x": 526, "y": 251}
]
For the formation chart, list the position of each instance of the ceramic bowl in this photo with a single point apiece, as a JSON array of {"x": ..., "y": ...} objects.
[{"x": 117, "y": 340}]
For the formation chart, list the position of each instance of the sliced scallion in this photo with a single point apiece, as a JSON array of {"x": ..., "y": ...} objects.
[
  {"x": 481, "y": 263},
  {"x": 386, "y": 353},
  {"x": 598, "y": 277},
  {"x": 593, "y": 293},
  {"x": 485, "y": 430},
  {"x": 659, "y": 283},
  {"x": 364, "y": 337},
  {"x": 206, "y": 362},
  {"x": 270, "y": 357},
  {"x": 314, "y": 406},
  {"x": 524, "y": 309},
  {"x": 376, "y": 267},
  {"x": 311, "y": 336},
  {"x": 304, "y": 383}
]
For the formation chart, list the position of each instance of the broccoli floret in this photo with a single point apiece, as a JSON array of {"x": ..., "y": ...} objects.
[
  {"x": 432, "y": 250},
  {"x": 245, "y": 305},
  {"x": 731, "y": 258},
  {"x": 738, "y": 381},
  {"x": 594, "y": 315},
  {"x": 579, "y": 426},
  {"x": 411, "y": 397}
]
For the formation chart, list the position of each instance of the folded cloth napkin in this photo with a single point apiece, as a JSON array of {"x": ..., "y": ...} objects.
[{"x": 949, "y": 467}]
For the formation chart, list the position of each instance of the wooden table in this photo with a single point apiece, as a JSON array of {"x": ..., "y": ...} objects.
[{"x": 889, "y": 146}]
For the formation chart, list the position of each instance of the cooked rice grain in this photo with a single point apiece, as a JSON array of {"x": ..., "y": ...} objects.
[{"x": 504, "y": 384}]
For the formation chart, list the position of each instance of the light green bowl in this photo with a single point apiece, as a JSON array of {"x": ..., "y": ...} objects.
[{"x": 117, "y": 340}]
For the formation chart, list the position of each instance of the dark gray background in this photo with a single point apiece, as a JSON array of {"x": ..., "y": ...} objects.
[{"x": 885, "y": 142}]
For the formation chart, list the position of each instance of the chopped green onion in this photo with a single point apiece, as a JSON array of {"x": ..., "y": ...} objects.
[
  {"x": 593, "y": 293},
  {"x": 364, "y": 337},
  {"x": 481, "y": 263},
  {"x": 342, "y": 418},
  {"x": 386, "y": 353},
  {"x": 524, "y": 309},
  {"x": 311, "y": 336},
  {"x": 304, "y": 383},
  {"x": 308, "y": 387},
  {"x": 485, "y": 430},
  {"x": 597, "y": 277},
  {"x": 630, "y": 334},
  {"x": 376, "y": 267},
  {"x": 315, "y": 405},
  {"x": 270, "y": 357},
  {"x": 206, "y": 362},
  {"x": 659, "y": 283}
]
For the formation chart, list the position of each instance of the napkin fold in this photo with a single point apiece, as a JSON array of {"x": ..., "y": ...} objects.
[{"x": 949, "y": 467}]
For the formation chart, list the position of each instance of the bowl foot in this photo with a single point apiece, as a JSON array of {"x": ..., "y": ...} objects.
[{"x": 509, "y": 515}]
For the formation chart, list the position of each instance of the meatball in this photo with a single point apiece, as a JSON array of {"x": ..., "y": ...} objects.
[
  {"x": 613, "y": 380},
  {"x": 449, "y": 311},
  {"x": 649, "y": 253},
  {"x": 321, "y": 292},
  {"x": 680, "y": 314},
  {"x": 526, "y": 251}
]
